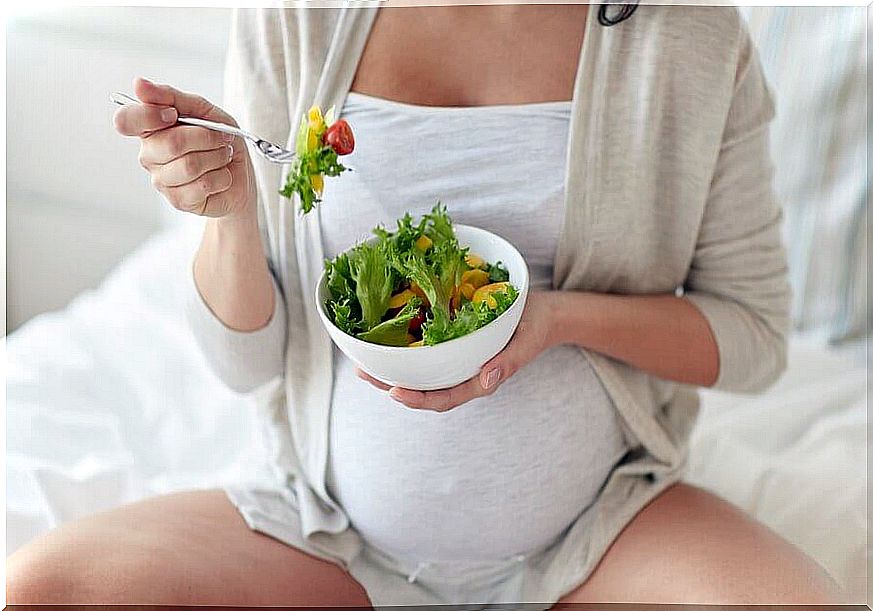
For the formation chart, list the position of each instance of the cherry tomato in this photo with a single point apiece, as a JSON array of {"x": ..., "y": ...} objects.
[
  {"x": 415, "y": 323},
  {"x": 340, "y": 138}
]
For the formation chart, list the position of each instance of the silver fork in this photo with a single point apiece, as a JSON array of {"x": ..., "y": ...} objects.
[{"x": 268, "y": 150}]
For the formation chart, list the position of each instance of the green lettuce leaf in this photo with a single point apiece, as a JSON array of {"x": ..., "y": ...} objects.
[
  {"x": 323, "y": 160},
  {"x": 497, "y": 273},
  {"x": 450, "y": 262},
  {"x": 439, "y": 225},
  {"x": 402, "y": 240},
  {"x": 417, "y": 270},
  {"x": 342, "y": 316},
  {"x": 468, "y": 318},
  {"x": 342, "y": 307},
  {"x": 300, "y": 142},
  {"x": 362, "y": 281},
  {"x": 374, "y": 281},
  {"x": 340, "y": 281},
  {"x": 393, "y": 331}
]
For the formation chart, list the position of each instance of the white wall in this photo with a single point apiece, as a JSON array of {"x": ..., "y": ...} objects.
[{"x": 77, "y": 200}]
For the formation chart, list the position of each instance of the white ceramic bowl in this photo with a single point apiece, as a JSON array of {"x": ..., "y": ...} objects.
[{"x": 449, "y": 363}]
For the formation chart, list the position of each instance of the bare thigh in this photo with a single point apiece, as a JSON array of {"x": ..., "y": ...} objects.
[
  {"x": 190, "y": 548},
  {"x": 689, "y": 546}
]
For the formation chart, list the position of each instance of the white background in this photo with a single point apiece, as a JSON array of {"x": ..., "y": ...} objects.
[{"x": 77, "y": 200}]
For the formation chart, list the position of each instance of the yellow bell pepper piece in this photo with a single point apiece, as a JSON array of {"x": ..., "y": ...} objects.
[
  {"x": 317, "y": 181},
  {"x": 484, "y": 293},
  {"x": 423, "y": 243},
  {"x": 316, "y": 120},
  {"x": 417, "y": 344},
  {"x": 314, "y": 128},
  {"x": 315, "y": 116},
  {"x": 477, "y": 277},
  {"x": 468, "y": 290},
  {"x": 311, "y": 139},
  {"x": 475, "y": 261},
  {"x": 400, "y": 299}
]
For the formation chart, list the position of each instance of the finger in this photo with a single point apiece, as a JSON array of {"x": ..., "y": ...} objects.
[
  {"x": 188, "y": 104},
  {"x": 438, "y": 400},
  {"x": 166, "y": 145},
  {"x": 142, "y": 120},
  {"x": 492, "y": 373},
  {"x": 220, "y": 204},
  {"x": 193, "y": 196},
  {"x": 217, "y": 205},
  {"x": 368, "y": 378},
  {"x": 506, "y": 363},
  {"x": 416, "y": 399},
  {"x": 192, "y": 166}
]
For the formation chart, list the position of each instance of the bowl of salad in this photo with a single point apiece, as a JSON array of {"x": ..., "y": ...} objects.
[{"x": 424, "y": 305}]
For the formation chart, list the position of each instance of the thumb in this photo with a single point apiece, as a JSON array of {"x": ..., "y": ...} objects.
[
  {"x": 187, "y": 104},
  {"x": 501, "y": 367}
]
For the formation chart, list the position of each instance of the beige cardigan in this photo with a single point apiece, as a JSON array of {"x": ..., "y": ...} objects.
[{"x": 668, "y": 187}]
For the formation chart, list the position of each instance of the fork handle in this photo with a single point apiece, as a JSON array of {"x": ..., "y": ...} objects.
[
  {"x": 122, "y": 99},
  {"x": 218, "y": 127}
]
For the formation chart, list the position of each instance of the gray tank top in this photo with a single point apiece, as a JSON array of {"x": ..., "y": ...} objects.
[{"x": 503, "y": 475}]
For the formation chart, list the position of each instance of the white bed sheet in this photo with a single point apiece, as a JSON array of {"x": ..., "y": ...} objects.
[
  {"x": 796, "y": 457},
  {"x": 109, "y": 401}
]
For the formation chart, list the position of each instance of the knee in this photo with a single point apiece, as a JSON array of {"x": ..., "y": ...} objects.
[
  {"x": 691, "y": 547},
  {"x": 79, "y": 573},
  {"x": 741, "y": 562},
  {"x": 771, "y": 579},
  {"x": 34, "y": 577}
]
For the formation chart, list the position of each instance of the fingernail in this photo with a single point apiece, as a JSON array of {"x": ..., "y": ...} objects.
[
  {"x": 229, "y": 152},
  {"x": 227, "y": 137},
  {"x": 492, "y": 378},
  {"x": 168, "y": 115},
  {"x": 393, "y": 394}
]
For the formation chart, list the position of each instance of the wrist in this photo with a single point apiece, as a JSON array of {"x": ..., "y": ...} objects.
[
  {"x": 230, "y": 240},
  {"x": 554, "y": 305},
  {"x": 237, "y": 223},
  {"x": 564, "y": 308}
]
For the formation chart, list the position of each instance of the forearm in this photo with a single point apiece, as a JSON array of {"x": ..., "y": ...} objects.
[
  {"x": 661, "y": 334},
  {"x": 231, "y": 273}
]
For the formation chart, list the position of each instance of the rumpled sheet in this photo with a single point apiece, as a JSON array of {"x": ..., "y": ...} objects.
[
  {"x": 795, "y": 457},
  {"x": 110, "y": 401}
]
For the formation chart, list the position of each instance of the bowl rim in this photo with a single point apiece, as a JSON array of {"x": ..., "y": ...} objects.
[{"x": 521, "y": 299}]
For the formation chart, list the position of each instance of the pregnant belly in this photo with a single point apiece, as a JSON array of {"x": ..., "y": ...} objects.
[{"x": 498, "y": 476}]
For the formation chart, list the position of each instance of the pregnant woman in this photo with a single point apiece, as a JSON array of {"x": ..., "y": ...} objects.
[{"x": 626, "y": 157}]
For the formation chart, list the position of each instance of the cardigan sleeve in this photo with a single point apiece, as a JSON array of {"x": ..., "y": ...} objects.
[
  {"x": 739, "y": 277},
  {"x": 243, "y": 360},
  {"x": 255, "y": 95}
]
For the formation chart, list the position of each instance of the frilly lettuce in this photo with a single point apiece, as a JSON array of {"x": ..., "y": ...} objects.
[{"x": 421, "y": 256}]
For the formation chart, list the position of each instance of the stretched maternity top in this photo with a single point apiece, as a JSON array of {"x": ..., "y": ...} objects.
[{"x": 505, "y": 474}]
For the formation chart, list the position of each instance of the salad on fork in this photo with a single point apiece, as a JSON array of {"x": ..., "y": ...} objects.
[{"x": 321, "y": 140}]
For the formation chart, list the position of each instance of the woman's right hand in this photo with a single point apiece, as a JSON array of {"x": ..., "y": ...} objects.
[{"x": 197, "y": 170}]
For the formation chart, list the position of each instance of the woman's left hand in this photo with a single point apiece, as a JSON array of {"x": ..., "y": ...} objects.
[{"x": 532, "y": 336}]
